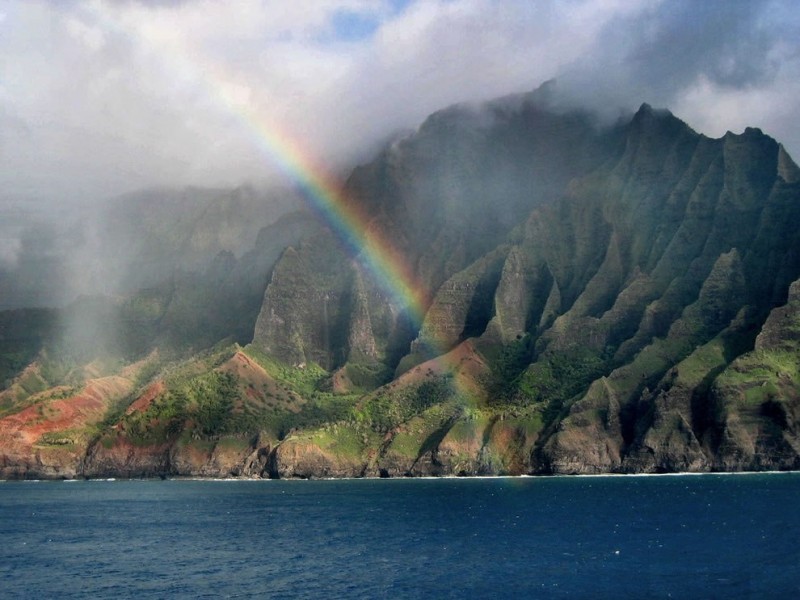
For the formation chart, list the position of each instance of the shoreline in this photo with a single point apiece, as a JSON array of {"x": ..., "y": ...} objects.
[{"x": 422, "y": 478}]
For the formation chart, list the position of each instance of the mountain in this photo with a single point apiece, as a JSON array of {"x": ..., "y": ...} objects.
[{"x": 595, "y": 298}]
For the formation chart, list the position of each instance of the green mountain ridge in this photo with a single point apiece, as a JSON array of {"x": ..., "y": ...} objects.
[{"x": 599, "y": 299}]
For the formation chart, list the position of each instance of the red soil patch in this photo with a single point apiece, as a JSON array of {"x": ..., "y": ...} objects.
[
  {"x": 463, "y": 362},
  {"x": 86, "y": 407},
  {"x": 253, "y": 379},
  {"x": 246, "y": 369},
  {"x": 153, "y": 391}
]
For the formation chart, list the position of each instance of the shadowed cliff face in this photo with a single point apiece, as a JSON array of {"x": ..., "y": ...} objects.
[
  {"x": 618, "y": 300},
  {"x": 664, "y": 256},
  {"x": 444, "y": 197}
]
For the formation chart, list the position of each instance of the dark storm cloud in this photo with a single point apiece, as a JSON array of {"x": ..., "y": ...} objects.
[
  {"x": 680, "y": 40},
  {"x": 659, "y": 53}
]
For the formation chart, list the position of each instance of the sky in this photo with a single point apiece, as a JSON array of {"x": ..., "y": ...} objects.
[{"x": 102, "y": 98}]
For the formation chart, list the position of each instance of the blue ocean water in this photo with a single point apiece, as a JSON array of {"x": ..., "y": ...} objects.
[{"x": 712, "y": 536}]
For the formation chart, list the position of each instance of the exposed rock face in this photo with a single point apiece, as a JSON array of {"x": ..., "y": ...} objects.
[
  {"x": 361, "y": 344},
  {"x": 125, "y": 459},
  {"x": 318, "y": 309},
  {"x": 433, "y": 197},
  {"x": 461, "y": 309},
  {"x": 294, "y": 458},
  {"x": 302, "y": 305},
  {"x": 781, "y": 331},
  {"x": 756, "y": 399}
]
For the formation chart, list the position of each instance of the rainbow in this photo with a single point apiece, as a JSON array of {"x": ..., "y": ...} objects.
[
  {"x": 347, "y": 219},
  {"x": 325, "y": 193}
]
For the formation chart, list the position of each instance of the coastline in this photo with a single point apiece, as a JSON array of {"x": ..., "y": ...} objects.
[{"x": 411, "y": 478}]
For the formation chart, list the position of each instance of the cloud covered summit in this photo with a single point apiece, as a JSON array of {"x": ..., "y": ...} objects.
[{"x": 99, "y": 98}]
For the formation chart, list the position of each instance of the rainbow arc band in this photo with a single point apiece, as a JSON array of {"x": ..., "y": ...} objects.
[{"x": 325, "y": 193}]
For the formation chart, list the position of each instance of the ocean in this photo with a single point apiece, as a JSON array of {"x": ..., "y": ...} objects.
[{"x": 709, "y": 536}]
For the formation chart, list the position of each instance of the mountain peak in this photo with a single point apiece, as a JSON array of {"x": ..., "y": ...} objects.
[{"x": 647, "y": 112}]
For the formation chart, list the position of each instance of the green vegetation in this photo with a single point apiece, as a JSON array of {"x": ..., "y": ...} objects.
[
  {"x": 387, "y": 409},
  {"x": 23, "y": 334},
  {"x": 322, "y": 409},
  {"x": 423, "y": 431},
  {"x": 32, "y": 383},
  {"x": 306, "y": 381},
  {"x": 557, "y": 377},
  {"x": 43, "y": 374},
  {"x": 367, "y": 377},
  {"x": 345, "y": 440},
  {"x": 67, "y": 439},
  {"x": 508, "y": 365},
  {"x": 761, "y": 376},
  {"x": 467, "y": 430},
  {"x": 203, "y": 402}
]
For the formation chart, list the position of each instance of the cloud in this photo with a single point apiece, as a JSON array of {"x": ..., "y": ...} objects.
[{"x": 103, "y": 97}]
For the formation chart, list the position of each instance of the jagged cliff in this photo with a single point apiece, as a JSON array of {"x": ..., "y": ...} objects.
[{"x": 596, "y": 299}]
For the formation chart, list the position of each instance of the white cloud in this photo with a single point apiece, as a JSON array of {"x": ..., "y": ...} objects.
[
  {"x": 103, "y": 97},
  {"x": 92, "y": 37},
  {"x": 716, "y": 109}
]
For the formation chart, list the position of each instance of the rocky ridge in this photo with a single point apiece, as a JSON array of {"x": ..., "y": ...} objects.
[{"x": 599, "y": 300}]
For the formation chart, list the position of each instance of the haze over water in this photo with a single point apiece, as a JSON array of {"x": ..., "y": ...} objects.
[{"x": 713, "y": 536}]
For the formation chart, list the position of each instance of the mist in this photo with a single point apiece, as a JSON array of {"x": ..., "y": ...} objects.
[{"x": 101, "y": 99}]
